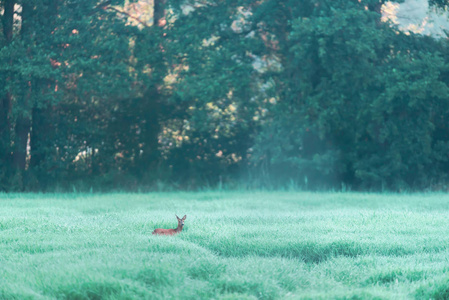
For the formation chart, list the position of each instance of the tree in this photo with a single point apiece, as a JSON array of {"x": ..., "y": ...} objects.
[
  {"x": 332, "y": 124},
  {"x": 60, "y": 54}
]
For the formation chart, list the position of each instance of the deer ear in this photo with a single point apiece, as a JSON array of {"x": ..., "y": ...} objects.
[
  {"x": 184, "y": 217},
  {"x": 177, "y": 217}
]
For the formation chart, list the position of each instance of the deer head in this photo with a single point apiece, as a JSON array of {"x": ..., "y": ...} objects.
[{"x": 181, "y": 221}]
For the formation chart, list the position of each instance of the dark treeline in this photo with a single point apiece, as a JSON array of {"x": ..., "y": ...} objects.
[{"x": 186, "y": 94}]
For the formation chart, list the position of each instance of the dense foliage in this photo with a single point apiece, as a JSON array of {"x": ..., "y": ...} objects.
[{"x": 184, "y": 93}]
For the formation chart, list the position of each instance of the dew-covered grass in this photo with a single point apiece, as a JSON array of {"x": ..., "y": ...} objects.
[{"x": 235, "y": 245}]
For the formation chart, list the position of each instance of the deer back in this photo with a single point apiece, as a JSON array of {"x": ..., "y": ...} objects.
[{"x": 161, "y": 231}]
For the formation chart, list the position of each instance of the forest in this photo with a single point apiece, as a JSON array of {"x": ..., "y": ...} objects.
[{"x": 187, "y": 94}]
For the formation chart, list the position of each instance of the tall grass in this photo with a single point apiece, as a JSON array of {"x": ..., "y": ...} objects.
[{"x": 251, "y": 245}]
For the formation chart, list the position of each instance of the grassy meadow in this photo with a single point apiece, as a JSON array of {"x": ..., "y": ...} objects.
[{"x": 235, "y": 245}]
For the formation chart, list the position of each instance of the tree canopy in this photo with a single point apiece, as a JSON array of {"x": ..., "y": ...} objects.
[{"x": 186, "y": 94}]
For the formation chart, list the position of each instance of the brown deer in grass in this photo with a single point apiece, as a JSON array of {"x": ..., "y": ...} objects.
[{"x": 161, "y": 231}]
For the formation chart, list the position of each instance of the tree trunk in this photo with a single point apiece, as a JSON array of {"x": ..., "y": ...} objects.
[
  {"x": 150, "y": 130},
  {"x": 8, "y": 19},
  {"x": 159, "y": 13},
  {"x": 376, "y": 7},
  {"x": 23, "y": 122},
  {"x": 20, "y": 145},
  {"x": 42, "y": 131},
  {"x": 40, "y": 138},
  {"x": 151, "y": 101},
  {"x": 5, "y": 102}
]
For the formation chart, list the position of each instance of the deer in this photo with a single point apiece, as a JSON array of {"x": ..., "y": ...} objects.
[{"x": 161, "y": 231}]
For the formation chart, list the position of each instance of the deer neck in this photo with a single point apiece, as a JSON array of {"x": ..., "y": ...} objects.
[{"x": 179, "y": 228}]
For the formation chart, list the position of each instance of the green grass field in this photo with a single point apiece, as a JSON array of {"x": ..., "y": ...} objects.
[{"x": 250, "y": 245}]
